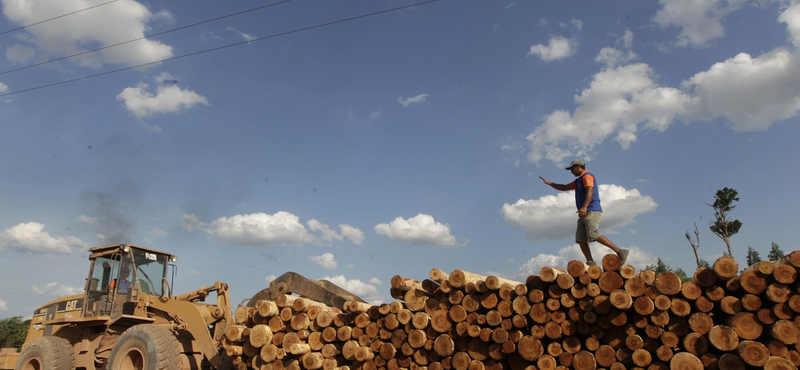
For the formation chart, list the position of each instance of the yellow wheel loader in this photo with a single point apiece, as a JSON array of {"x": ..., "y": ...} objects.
[{"x": 129, "y": 319}]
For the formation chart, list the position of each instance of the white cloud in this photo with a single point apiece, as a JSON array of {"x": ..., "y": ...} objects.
[
  {"x": 353, "y": 234},
  {"x": 636, "y": 258},
  {"x": 3, "y": 88},
  {"x": 3, "y": 306},
  {"x": 55, "y": 289},
  {"x": 700, "y": 21},
  {"x": 577, "y": 23},
  {"x": 328, "y": 234},
  {"x": 191, "y": 222},
  {"x": 750, "y": 93},
  {"x": 31, "y": 237},
  {"x": 421, "y": 229},
  {"x": 326, "y": 260},
  {"x": 88, "y": 220},
  {"x": 617, "y": 101},
  {"x": 246, "y": 36},
  {"x": 419, "y": 99},
  {"x": 367, "y": 292},
  {"x": 169, "y": 98},
  {"x": 20, "y": 54},
  {"x": 83, "y": 31},
  {"x": 791, "y": 16},
  {"x": 554, "y": 216},
  {"x": 559, "y": 47},
  {"x": 260, "y": 229}
]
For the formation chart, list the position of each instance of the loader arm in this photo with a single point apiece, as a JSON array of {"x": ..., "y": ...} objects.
[{"x": 318, "y": 290}]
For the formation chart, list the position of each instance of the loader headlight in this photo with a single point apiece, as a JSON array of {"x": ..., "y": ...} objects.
[{"x": 173, "y": 259}]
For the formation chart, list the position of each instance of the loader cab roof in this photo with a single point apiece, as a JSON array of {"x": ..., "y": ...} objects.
[{"x": 111, "y": 249}]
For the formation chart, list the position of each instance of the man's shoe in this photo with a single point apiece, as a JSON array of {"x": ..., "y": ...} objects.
[
  {"x": 623, "y": 255},
  {"x": 591, "y": 263}
]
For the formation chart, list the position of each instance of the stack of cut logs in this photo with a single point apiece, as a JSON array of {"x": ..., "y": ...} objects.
[{"x": 582, "y": 318}]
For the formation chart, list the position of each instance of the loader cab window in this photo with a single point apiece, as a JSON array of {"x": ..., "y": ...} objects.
[
  {"x": 98, "y": 288},
  {"x": 151, "y": 268}
]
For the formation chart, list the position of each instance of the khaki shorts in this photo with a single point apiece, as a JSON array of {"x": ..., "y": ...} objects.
[{"x": 588, "y": 227}]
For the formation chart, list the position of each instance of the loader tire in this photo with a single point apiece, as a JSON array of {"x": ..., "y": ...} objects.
[
  {"x": 146, "y": 347},
  {"x": 47, "y": 353}
]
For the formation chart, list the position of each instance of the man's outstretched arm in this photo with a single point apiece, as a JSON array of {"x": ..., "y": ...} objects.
[{"x": 554, "y": 185}]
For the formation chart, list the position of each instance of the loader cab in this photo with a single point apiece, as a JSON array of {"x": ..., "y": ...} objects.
[{"x": 118, "y": 275}]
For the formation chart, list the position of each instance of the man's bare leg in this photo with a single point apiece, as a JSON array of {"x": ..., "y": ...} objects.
[
  {"x": 586, "y": 251},
  {"x": 604, "y": 241},
  {"x": 622, "y": 253}
]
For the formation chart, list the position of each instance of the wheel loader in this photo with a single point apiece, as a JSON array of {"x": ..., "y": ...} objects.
[{"x": 129, "y": 319}]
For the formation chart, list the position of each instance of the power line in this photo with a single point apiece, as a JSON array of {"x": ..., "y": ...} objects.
[
  {"x": 54, "y": 18},
  {"x": 222, "y": 47},
  {"x": 143, "y": 38}
]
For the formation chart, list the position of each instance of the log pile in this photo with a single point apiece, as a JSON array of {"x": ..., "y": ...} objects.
[{"x": 582, "y": 318}]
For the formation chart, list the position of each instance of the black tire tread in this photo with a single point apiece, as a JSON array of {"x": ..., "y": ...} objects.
[
  {"x": 56, "y": 353},
  {"x": 167, "y": 348}
]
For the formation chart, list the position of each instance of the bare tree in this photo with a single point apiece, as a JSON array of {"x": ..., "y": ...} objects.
[{"x": 696, "y": 247}]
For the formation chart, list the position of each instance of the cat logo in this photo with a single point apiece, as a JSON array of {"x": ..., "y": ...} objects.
[{"x": 71, "y": 305}]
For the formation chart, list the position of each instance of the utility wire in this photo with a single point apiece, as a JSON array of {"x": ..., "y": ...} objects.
[
  {"x": 143, "y": 38},
  {"x": 54, "y": 18},
  {"x": 321, "y": 25}
]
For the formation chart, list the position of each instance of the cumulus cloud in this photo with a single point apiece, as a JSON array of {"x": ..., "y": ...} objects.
[
  {"x": 329, "y": 235},
  {"x": 326, "y": 260},
  {"x": 355, "y": 235},
  {"x": 750, "y": 93},
  {"x": 191, "y": 222},
  {"x": 637, "y": 258},
  {"x": 559, "y": 47},
  {"x": 55, "y": 289},
  {"x": 168, "y": 98},
  {"x": 31, "y": 237},
  {"x": 554, "y": 217},
  {"x": 618, "y": 100},
  {"x": 20, "y": 54},
  {"x": 791, "y": 16},
  {"x": 365, "y": 291},
  {"x": 421, "y": 229},
  {"x": 700, "y": 21},
  {"x": 260, "y": 229},
  {"x": 419, "y": 99},
  {"x": 88, "y": 220},
  {"x": 3, "y": 306},
  {"x": 623, "y": 98},
  {"x": 87, "y": 30}
]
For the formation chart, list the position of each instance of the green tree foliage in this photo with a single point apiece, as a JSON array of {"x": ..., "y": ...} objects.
[
  {"x": 13, "y": 331},
  {"x": 752, "y": 256},
  {"x": 775, "y": 253},
  {"x": 723, "y": 205},
  {"x": 660, "y": 267}
]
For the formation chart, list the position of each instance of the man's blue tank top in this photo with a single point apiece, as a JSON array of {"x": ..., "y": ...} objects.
[{"x": 580, "y": 194}]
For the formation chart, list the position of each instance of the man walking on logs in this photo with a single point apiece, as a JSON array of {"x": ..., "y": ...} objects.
[{"x": 587, "y": 199}]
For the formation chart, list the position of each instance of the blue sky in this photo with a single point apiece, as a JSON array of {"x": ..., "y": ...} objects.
[{"x": 389, "y": 144}]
